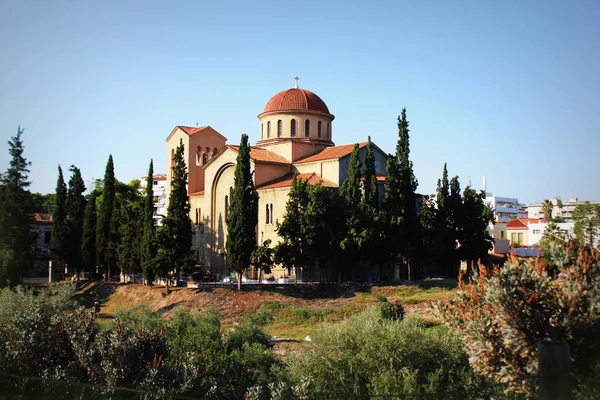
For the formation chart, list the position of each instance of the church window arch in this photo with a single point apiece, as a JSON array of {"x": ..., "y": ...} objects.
[
  {"x": 204, "y": 159},
  {"x": 268, "y": 129},
  {"x": 271, "y": 214},
  {"x": 328, "y": 131},
  {"x": 268, "y": 216},
  {"x": 293, "y": 128},
  {"x": 279, "y": 128},
  {"x": 307, "y": 128},
  {"x": 319, "y": 129},
  {"x": 262, "y": 130}
]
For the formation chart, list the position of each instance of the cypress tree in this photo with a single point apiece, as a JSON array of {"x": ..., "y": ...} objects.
[
  {"x": 88, "y": 242},
  {"x": 391, "y": 217},
  {"x": 105, "y": 219},
  {"x": 409, "y": 225},
  {"x": 175, "y": 235},
  {"x": 475, "y": 242},
  {"x": 60, "y": 234},
  {"x": 371, "y": 195},
  {"x": 15, "y": 215},
  {"x": 148, "y": 251},
  {"x": 243, "y": 214},
  {"x": 355, "y": 221},
  {"x": 75, "y": 207}
]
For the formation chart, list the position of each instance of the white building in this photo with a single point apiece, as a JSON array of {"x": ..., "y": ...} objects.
[
  {"x": 159, "y": 191},
  {"x": 537, "y": 230},
  {"x": 505, "y": 208},
  {"x": 560, "y": 209}
]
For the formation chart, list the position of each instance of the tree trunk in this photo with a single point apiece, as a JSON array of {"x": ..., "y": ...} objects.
[
  {"x": 239, "y": 280},
  {"x": 167, "y": 285}
]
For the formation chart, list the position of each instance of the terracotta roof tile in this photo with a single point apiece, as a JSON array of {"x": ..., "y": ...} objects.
[
  {"x": 191, "y": 130},
  {"x": 286, "y": 181},
  {"x": 296, "y": 99},
  {"x": 39, "y": 217},
  {"x": 263, "y": 155},
  {"x": 521, "y": 223},
  {"x": 331, "y": 153},
  {"x": 378, "y": 177}
]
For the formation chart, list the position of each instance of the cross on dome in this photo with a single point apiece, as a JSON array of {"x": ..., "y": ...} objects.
[{"x": 297, "y": 79}]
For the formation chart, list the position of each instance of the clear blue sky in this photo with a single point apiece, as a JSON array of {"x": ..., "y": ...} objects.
[{"x": 510, "y": 89}]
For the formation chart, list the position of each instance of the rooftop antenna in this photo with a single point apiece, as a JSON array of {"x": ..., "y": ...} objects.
[{"x": 297, "y": 79}]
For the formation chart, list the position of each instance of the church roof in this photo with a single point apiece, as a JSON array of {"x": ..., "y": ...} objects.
[
  {"x": 190, "y": 130},
  {"x": 286, "y": 181},
  {"x": 330, "y": 153},
  {"x": 263, "y": 155},
  {"x": 296, "y": 99}
]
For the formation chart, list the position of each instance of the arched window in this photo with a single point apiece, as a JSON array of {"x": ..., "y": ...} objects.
[
  {"x": 328, "y": 131},
  {"x": 262, "y": 131},
  {"x": 204, "y": 158},
  {"x": 268, "y": 129},
  {"x": 319, "y": 129},
  {"x": 293, "y": 128},
  {"x": 279, "y": 128},
  {"x": 307, "y": 128},
  {"x": 271, "y": 214},
  {"x": 268, "y": 217},
  {"x": 226, "y": 206}
]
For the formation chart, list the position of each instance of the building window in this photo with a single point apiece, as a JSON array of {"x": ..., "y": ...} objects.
[
  {"x": 271, "y": 214},
  {"x": 513, "y": 237},
  {"x": 501, "y": 234},
  {"x": 204, "y": 159},
  {"x": 279, "y": 128},
  {"x": 262, "y": 130},
  {"x": 268, "y": 129},
  {"x": 307, "y": 128},
  {"x": 293, "y": 128},
  {"x": 155, "y": 183},
  {"x": 536, "y": 231},
  {"x": 47, "y": 237},
  {"x": 328, "y": 131},
  {"x": 319, "y": 129},
  {"x": 520, "y": 238},
  {"x": 267, "y": 219}
]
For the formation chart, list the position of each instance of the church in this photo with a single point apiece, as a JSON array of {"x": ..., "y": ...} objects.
[{"x": 296, "y": 139}]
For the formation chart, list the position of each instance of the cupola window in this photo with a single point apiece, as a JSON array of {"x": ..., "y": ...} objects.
[
  {"x": 307, "y": 128},
  {"x": 319, "y": 129},
  {"x": 268, "y": 129},
  {"x": 279, "y": 128},
  {"x": 293, "y": 128},
  {"x": 328, "y": 131}
]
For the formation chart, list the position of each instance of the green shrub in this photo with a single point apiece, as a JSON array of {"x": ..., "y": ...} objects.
[
  {"x": 367, "y": 355},
  {"x": 380, "y": 297},
  {"x": 392, "y": 310}
]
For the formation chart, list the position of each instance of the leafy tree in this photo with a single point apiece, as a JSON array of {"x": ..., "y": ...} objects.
[
  {"x": 263, "y": 257},
  {"x": 503, "y": 315},
  {"x": 130, "y": 233},
  {"x": 88, "y": 240},
  {"x": 356, "y": 234},
  {"x": 587, "y": 223},
  {"x": 371, "y": 197},
  {"x": 148, "y": 251},
  {"x": 60, "y": 233},
  {"x": 475, "y": 216},
  {"x": 175, "y": 235},
  {"x": 243, "y": 214},
  {"x": 43, "y": 203},
  {"x": 75, "y": 207},
  {"x": 547, "y": 207},
  {"x": 105, "y": 216},
  {"x": 15, "y": 215}
]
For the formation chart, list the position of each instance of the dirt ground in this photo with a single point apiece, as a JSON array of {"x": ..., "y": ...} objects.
[{"x": 233, "y": 304}]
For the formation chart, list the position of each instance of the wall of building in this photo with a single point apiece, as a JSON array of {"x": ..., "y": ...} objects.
[{"x": 300, "y": 117}]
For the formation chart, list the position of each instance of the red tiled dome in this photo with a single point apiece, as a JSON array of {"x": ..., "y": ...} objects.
[{"x": 296, "y": 99}]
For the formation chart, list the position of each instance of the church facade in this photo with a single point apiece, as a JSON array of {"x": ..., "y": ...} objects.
[{"x": 295, "y": 140}]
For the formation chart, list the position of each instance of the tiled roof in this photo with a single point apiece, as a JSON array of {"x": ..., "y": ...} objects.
[
  {"x": 331, "y": 153},
  {"x": 286, "y": 181},
  {"x": 521, "y": 223},
  {"x": 378, "y": 177},
  {"x": 263, "y": 155},
  {"x": 191, "y": 130},
  {"x": 39, "y": 217},
  {"x": 296, "y": 99}
]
